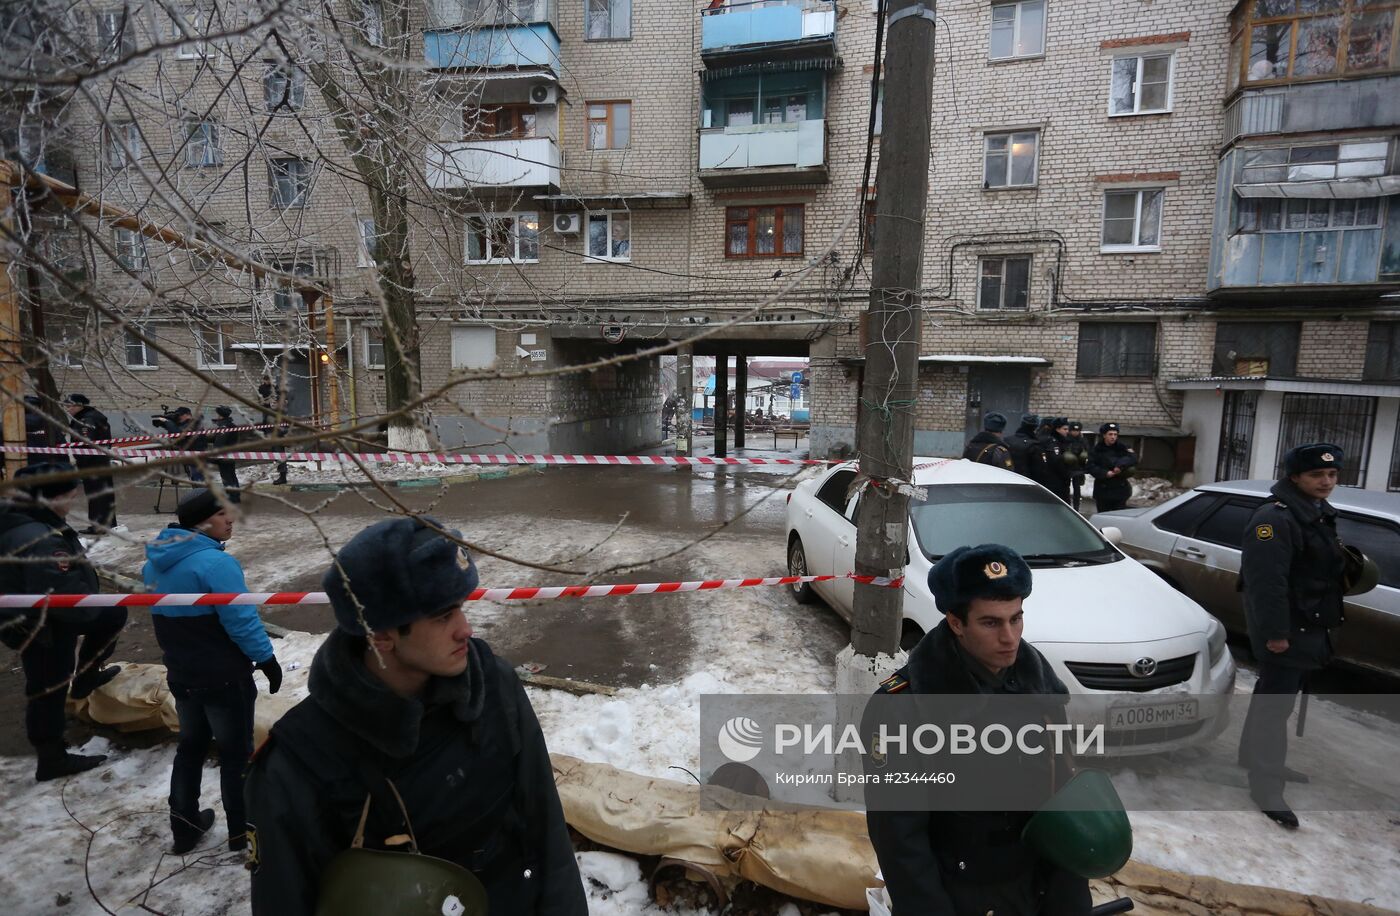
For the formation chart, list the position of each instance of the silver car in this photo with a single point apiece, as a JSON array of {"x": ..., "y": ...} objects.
[{"x": 1193, "y": 541}]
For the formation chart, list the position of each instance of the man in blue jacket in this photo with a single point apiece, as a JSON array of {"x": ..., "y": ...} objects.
[{"x": 210, "y": 653}]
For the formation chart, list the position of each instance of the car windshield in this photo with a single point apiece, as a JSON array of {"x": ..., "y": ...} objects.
[{"x": 1027, "y": 519}]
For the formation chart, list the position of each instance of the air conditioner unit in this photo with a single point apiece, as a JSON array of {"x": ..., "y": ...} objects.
[
  {"x": 544, "y": 94},
  {"x": 568, "y": 223}
]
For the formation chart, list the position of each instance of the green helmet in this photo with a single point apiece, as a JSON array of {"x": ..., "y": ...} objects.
[
  {"x": 1083, "y": 827},
  {"x": 1071, "y": 459},
  {"x": 372, "y": 882},
  {"x": 1360, "y": 573}
]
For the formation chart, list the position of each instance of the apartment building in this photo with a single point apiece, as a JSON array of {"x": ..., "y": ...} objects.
[{"x": 1175, "y": 216}]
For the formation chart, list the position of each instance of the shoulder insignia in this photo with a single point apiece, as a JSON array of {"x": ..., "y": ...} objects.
[
  {"x": 1264, "y": 532},
  {"x": 1009, "y": 463},
  {"x": 254, "y": 854},
  {"x": 895, "y": 683}
]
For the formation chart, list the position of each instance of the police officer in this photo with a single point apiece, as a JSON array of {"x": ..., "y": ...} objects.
[
  {"x": 33, "y": 531},
  {"x": 36, "y": 429},
  {"x": 986, "y": 447},
  {"x": 1076, "y": 458},
  {"x": 406, "y": 704},
  {"x": 1055, "y": 475},
  {"x": 1291, "y": 572},
  {"x": 1024, "y": 445},
  {"x": 224, "y": 438},
  {"x": 942, "y": 863},
  {"x": 90, "y": 425},
  {"x": 1109, "y": 464}
]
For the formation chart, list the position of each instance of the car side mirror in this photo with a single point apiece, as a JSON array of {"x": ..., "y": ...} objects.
[{"x": 1113, "y": 535}]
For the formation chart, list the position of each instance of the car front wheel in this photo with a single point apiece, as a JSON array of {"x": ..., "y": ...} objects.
[{"x": 797, "y": 566}]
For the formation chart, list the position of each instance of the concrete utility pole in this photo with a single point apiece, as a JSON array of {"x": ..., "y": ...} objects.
[{"x": 885, "y": 436}]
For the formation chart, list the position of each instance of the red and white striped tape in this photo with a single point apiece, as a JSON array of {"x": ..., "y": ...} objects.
[
  {"x": 421, "y": 457},
  {"x": 481, "y": 594},
  {"x": 153, "y": 437}
]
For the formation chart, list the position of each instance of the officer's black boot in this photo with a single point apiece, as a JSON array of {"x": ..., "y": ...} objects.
[
  {"x": 55, "y": 762},
  {"x": 84, "y": 684},
  {"x": 188, "y": 832}
]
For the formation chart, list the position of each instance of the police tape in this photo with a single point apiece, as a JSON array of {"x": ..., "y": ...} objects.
[
  {"x": 199, "y": 431},
  {"x": 420, "y": 457},
  {"x": 480, "y": 594}
]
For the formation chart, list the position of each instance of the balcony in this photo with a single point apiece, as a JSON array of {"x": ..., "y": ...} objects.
[
  {"x": 1347, "y": 104},
  {"x": 768, "y": 29},
  {"x": 531, "y": 162},
  {"x": 512, "y": 43},
  {"x": 790, "y": 153},
  {"x": 481, "y": 14}
]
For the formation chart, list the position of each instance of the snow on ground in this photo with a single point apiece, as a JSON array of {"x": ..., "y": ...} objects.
[
  {"x": 301, "y": 472},
  {"x": 745, "y": 641}
]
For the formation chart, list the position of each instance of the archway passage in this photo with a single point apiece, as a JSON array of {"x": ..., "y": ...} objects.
[{"x": 753, "y": 393}]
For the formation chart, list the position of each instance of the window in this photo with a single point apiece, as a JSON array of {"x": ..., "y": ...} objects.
[
  {"x": 516, "y": 122},
  {"x": 116, "y": 34},
  {"x": 124, "y": 144},
  {"x": 1226, "y": 525},
  {"x": 1382, "y": 352},
  {"x": 836, "y": 491},
  {"x": 610, "y": 236},
  {"x": 503, "y": 237},
  {"x": 203, "y": 145},
  {"x": 1018, "y": 29},
  {"x": 374, "y": 347},
  {"x": 138, "y": 354},
  {"x": 1302, "y": 39},
  {"x": 1140, "y": 85},
  {"x": 284, "y": 86},
  {"x": 1255, "y": 348},
  {"x": 607, "y": 19},
  {"x": 1346, "y": 421},
  {"x": 192, "y": 28},
  {"x": 291, "y": 183},
  {"x": 131, "y": 249},
  {"x": 1378, "y": 540},
  {"x": 1005, "y": 283},
  {"x": 285, "y": 296},
  {"x": 372, "y": 25},
  {"x": 473, "y": 348},
  {"x": 1183, "y": 519},
  {"x": 610, "y": 125},
  {"x": 762, "y": 232},
  {"x": 1010, "y": 160},
  {"x": 1132, "y": 220},
  {"x": 369, "y": 243},
  {"x": 212, "y": 349},
  {"x": 1270, "y": 214},
  {"x": 1355, "y": 159},
  {"x": 1116, "y": 349}
]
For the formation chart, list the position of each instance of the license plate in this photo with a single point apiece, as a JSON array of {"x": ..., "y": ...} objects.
[{"x": 1129, "y": 716}]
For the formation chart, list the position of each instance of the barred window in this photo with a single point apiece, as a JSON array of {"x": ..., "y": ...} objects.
[
  {"x": 1343, "y": 420},
  {"x": 1382, "y": 352},
  {"x": 1116, "y": 349},
  {"x": 1254, "y": 348}
]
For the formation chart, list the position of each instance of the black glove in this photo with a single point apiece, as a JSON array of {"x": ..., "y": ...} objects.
[{"x": 273, "y": 672}]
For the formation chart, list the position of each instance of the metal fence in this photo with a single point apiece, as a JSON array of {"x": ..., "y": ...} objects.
[
  {"x": 1236, "y": 435},
  {"x": 1344, "y": 421}
]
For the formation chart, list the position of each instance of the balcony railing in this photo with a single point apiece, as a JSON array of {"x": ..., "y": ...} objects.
[
  {"x": 534, "y": 44},
  {"x": 1347, "y": 104},
  {"x": 767, "y": 22},
  {"x": 763, "y": 152},
  {"x": 532, "y": 162}
]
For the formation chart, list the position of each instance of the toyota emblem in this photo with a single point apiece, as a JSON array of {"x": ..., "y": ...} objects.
[{"x": 1143, "y": 667}]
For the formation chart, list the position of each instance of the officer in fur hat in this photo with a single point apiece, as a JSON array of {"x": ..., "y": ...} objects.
[
  {"x": 940, "y": 863},
  {"x": 413, "y": 720},
  {"x": 1291, "y": 573},
  {"x": 1024, "y": 444},
  {"x": 986, "y": 447},
  {"x": 88, "y": 424}
]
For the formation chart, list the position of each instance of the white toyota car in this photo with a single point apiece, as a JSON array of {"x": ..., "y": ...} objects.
[{"x": 1136, "y": 654}]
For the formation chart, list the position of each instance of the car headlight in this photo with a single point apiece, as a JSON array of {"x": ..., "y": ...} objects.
[{"x": 1215, "y": 638}]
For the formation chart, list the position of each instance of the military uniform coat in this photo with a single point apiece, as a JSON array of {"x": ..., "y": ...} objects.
[
  {"x": 468, "y": 758},
  {"x": 987, "y": 448},
  {"x": 59, "y": 567},
  {"x": 1026, "y": 456},
  {"x": 1291, "y": 575},
  {"x": 942, "y": 863}
]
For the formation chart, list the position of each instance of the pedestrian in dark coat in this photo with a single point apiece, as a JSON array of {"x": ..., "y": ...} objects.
[
  {"x": 224, "y": 438},
  {"x": 88, "y": 424},
  {"x": 1291, "y": 572},
  {"x": 1055, "y": 475},
  {"x": 36, "y": 429},
  {"x": 210, "y": 652},
  {"x": 986, "y": 447},
  {"x": 34, "y": 530},
  {"x": 404, "y": 699},
  {"x": 1026, "y": 456},
  {"x": 942, "y": 863},
  {"x": 1109, "y": 464},
  {"x": 1077, "y": 460}
]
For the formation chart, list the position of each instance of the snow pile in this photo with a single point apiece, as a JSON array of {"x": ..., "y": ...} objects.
[
  {"x": 311, "y": 472},
  {"x": 1153, "y": 491}
]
